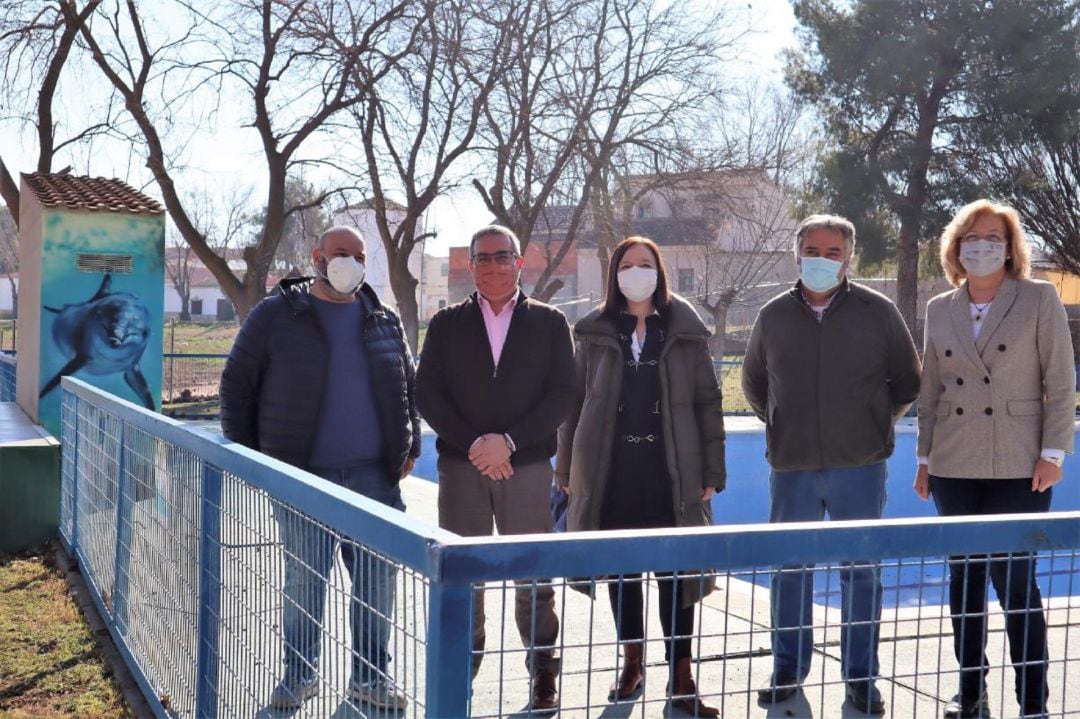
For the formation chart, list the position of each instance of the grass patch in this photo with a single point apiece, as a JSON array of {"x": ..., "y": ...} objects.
[
  {"x": 209, "y": 338},
  {"x": 50, "y": 664},
  {"x": 200, "y": 337},
  {"x": 7, "y": 339},
  {"x": 730, "y": 379}
]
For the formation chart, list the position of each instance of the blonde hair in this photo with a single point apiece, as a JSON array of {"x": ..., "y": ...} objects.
[{"x": 1018, "y": 255}]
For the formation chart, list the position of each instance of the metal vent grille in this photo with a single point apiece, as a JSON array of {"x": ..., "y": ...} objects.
[{"x": 96, "y": 262}]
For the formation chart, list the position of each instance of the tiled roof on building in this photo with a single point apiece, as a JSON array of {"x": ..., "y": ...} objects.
[{"x": 90, "y": 193}]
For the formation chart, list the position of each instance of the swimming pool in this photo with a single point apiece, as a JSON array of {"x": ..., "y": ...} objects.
[{"x": 746, "y": 501}]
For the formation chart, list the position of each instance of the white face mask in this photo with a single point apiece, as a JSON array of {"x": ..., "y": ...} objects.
[
  {"x": 982, "y": 257},
  {"x": 344, "y": 274},
  {"x": 637, "y": 283},
  {"x": 820, "y": 274}
]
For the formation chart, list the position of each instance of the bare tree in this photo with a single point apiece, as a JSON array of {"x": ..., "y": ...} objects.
[
  {"x": 178, "y": 267},
  {"x": 226, "y": 218},
  {"x": 303, "y": 225},
  {"x": 752, "y": 227},
  {"x": 620, "y": 207},
  {"x": 589, "y": 80},
  {"x": 750, "y": 214},
  {"x": 1041, "y": 179},
  {"x": 36, "y": 40},
  {"x": 265, "y": 51},
  {"x": 420, "y": 117}
]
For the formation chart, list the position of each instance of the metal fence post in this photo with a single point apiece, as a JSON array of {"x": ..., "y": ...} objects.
[
  {"x": 74, "y": 444},
  {"x": 122, "y": 563},
  {"x": 206, "y": 670},
  {"x": 449, "y": 650}
]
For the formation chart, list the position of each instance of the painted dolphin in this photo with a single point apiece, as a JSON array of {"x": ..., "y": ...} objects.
[{"x": 104, "y": 335}]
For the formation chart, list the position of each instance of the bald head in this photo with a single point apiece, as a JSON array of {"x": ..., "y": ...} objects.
[
  {"x": 344, "y": 232},
  {"x": 338, "y": 242}
]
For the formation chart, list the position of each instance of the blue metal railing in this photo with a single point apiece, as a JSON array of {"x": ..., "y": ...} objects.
[
  {"x": 177, "y": 531},
  {"x": 7, "y": 377}
]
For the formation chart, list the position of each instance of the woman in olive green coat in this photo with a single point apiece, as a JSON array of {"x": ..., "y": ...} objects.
[{"x": 644, "y": 446}]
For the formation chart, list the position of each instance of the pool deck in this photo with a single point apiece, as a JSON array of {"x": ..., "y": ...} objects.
[{"x": 916, "y": 644}]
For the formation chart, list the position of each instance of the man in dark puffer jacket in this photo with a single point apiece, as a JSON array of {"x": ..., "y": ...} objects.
[{"x": 320, "y": 376}]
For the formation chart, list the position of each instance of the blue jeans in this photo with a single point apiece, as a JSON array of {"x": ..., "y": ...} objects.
[
  {"x": 846, "y": 493},
  {"x": 309, "y": 558}
]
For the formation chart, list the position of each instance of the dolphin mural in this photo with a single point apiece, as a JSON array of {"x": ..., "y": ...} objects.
[{"x": 103, "y": 335}]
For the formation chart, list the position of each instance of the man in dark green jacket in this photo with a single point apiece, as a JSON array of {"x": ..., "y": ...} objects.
[{"x": 830, "y": 368}]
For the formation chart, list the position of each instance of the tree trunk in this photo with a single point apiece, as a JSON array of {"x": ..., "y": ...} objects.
[
  {"x": 185, "y": 308},
  {"x": 719, "y": 314},
  {"x": 545, "y": 293},
  {"x": 14, "y": 297},
  {"x": 907, "y": 271},
  {"x": 603, "y": 253},
  {"x": 404, "y": 286},
  {"x": 9, "y": 192}
]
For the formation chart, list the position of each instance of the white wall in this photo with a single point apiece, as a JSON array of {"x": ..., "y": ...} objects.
[
  {"x": 434, "y": 287},
  {"x": 209, "y": 296},
  {"x": 7, "y": 303}
]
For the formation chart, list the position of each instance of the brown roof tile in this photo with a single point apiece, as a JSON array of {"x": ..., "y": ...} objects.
[{"x": 90, "y": 193}]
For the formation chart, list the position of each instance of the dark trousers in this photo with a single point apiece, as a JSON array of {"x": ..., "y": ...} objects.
[
  {"x": 627, "y": 604},
  {"x": 472, "y": 505},
  {"x": 1013, "y": 576}
]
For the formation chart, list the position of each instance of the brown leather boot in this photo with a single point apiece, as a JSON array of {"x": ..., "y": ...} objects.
[
  {"x": 632, "y": 675},
  {"x": 545, "y": 692},
  {"x": 682, "y": 692}
]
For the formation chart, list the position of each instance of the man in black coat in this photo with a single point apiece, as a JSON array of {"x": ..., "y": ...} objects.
[
  {"x": 496, "y": 379},
  {"x": 321, "y": 377}
]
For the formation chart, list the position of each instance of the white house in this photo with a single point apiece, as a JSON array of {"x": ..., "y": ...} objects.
[
  {"x": 7, "y": 301},
  {"x": 434, "y": 287}
]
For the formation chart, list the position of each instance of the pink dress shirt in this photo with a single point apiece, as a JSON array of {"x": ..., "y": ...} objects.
[{"x": 497, "y": 325}]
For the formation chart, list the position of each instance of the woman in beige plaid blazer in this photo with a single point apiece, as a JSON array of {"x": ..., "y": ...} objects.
[{"x": 996, "y": 417}]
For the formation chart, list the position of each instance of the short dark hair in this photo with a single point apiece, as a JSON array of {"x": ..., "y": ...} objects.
[
  {"x": 495, "y": 230},
  {"x": 615, "y": 300}
]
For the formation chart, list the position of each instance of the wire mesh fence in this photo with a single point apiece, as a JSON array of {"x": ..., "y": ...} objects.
[
  {"x": 236, "y": 586},
  {"x": 7, "y": 378},
  {"x": 191, "y": 378},
  {"x": 730, "y": 642},
  {"x": 226, "y": 598}
]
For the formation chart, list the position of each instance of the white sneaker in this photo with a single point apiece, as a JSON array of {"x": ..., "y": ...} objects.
[
  {"x": 380, "y": 693},
  {"x": 291, "y": 693}
]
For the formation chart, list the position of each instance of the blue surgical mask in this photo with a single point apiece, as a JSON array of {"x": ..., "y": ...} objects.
[{"x": 820, "y": 274}]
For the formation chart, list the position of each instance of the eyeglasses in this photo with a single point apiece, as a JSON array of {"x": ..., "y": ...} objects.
[
  {"x": 993, "y": 237},
  {"x": 502, "y": 257}
]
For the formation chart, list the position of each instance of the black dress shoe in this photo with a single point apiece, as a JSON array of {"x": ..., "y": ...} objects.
[
  {"x": 865, "y": 697},
  {"x": 957, "y": 708},
  {"x": 780, "y": 689}
]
